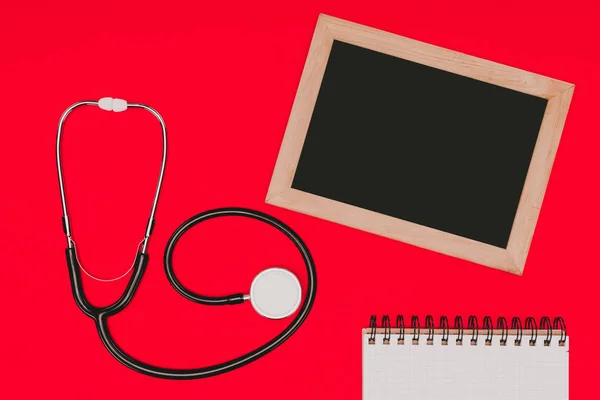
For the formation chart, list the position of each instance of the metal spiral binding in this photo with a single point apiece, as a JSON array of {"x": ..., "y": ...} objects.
[
  {"x": 387, "y": 332},
  {"x": 445, "y": 330},
  {"x": 416, "y": 327},
  {"x": 458, "y": 324},
  {"x": 400, "y": 326},
  {"x": 487, "y": 324},
  {"x": 516, "y": 324},
  {"x": 474, "y": 326},
  {"x": 559, "y": 323},
  {"x": 531, "y": 324},
  {"x": 502, "y": 324},
  {"x": 516, "y": 329},
  {"x": 372, "y": 326},
  {"x": 430, "y": 325},
  {"x": 547, "y": 325}
]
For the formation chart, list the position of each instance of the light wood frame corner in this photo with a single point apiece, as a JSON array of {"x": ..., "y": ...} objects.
[{"x": 558, "y": 94}]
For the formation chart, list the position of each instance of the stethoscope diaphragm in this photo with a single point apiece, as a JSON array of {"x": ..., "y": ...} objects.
[{"x": 275, "y": 293}]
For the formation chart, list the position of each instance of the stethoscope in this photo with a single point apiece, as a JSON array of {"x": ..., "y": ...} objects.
[{"x": 275, "y": 292}]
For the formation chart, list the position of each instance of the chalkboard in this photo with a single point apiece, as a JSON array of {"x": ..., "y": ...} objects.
[{"x": 421, "y": 144}]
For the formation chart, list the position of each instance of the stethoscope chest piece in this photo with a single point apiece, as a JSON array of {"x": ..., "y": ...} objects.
[{"x": 275, "y": 293}]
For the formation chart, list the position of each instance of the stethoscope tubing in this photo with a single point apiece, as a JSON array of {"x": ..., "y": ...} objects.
[{"x": 101, "y": 315}]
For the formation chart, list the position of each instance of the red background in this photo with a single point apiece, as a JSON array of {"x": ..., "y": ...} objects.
[{"x": 224, "y": 76}]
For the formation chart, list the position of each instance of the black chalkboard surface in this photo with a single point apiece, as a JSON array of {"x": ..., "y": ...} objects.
[{"x": 420, "y": 144}]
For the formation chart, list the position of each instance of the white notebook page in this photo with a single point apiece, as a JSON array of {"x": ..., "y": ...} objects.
[{"x": 436, "y": 372}]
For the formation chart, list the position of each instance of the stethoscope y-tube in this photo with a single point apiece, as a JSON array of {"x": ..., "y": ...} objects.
[{"x": 100, "y": 315}]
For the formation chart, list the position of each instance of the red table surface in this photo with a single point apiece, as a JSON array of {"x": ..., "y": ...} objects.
[{"x": 224, "y": 76}]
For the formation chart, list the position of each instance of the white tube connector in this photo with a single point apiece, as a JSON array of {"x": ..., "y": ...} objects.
[{"x": 110, "y": 104}]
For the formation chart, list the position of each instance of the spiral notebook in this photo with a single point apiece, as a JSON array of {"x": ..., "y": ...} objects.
[{"x": 466, "y": 362}]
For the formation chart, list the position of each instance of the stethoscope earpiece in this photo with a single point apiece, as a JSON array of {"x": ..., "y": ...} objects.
[{"x": 275, "y": 293}]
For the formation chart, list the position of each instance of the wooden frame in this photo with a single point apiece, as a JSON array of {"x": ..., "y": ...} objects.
[{"x": 512, "y": 259}]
